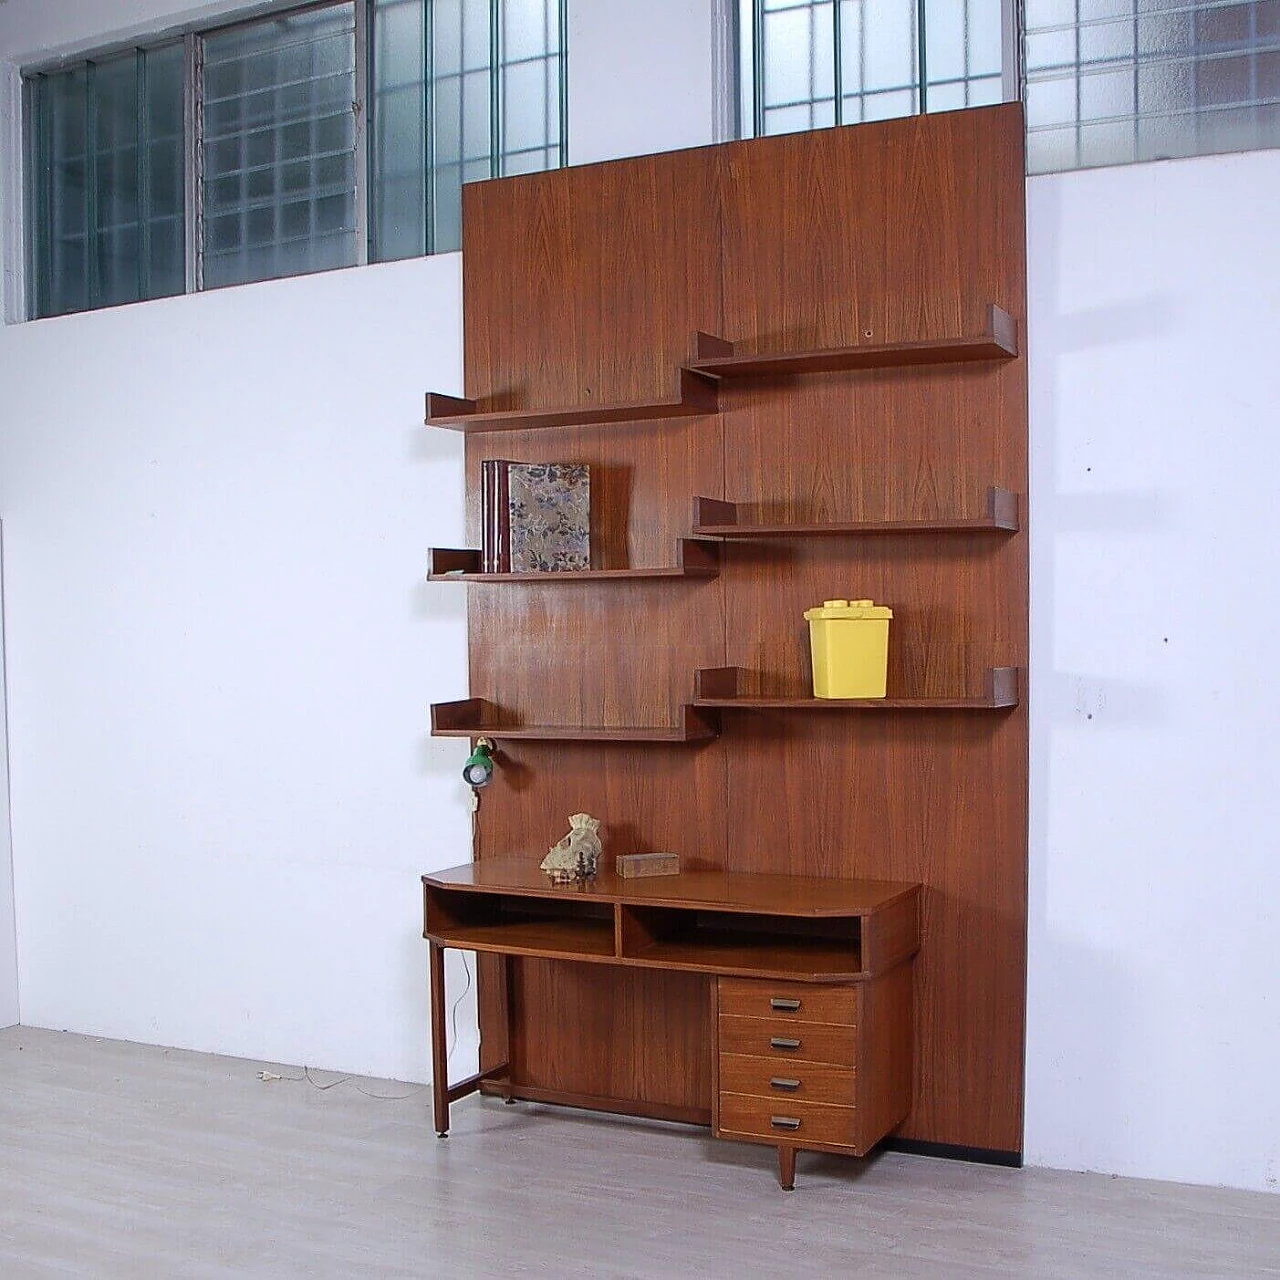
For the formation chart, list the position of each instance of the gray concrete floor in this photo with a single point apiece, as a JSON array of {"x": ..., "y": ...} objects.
[{"x": 126, "y": 1160}]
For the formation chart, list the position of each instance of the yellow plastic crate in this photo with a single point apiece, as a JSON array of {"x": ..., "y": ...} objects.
[{"x": 849, "y": 640}]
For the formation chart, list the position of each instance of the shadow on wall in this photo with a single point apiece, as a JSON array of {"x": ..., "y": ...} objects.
[{"x": 1081, "y": 1002}]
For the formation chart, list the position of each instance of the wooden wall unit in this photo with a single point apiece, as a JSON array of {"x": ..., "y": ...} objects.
[{"x": 584, "y": 289}]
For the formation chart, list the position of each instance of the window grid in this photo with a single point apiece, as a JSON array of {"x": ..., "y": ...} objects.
[
  {"x": 1127, "y": 82},
  {"x": 230, "y": 202},
  {"x": 861, "y": 60},
  {"x": 104, "y": 231}
]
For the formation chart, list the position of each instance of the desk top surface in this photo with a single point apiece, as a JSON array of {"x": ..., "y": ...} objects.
[{"x": 708, "y": 890}]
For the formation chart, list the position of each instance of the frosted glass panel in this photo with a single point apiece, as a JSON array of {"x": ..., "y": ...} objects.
[
  {"x": 430, "y": 138},
  {"x": 279, "y": 189},
  {"x": 801, "y": 53},
  {"x": 398, "y": 141},
  {"x": 108, "y": 193},
  {"x": 1149, "y": 79}
]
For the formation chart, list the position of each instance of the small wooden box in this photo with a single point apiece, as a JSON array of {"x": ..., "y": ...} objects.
[{"x": 631, "y": 866}]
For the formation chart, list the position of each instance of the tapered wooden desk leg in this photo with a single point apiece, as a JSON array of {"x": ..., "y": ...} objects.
[
  {"x": 787, "y": 1168},
  {"x": 439, "y": 1044}
]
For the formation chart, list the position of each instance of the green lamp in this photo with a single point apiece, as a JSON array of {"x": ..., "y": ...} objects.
[{"x": 478, "y": 771}]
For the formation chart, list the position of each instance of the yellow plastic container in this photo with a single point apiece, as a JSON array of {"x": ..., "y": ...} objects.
[{"x": 850, "y": 644}]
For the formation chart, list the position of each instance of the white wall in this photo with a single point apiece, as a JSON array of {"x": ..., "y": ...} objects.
[
  {"x": 661, "y": 96},
  {"x": 1154, "y": 998},
  {"x": 8, "y": 935},
  {"x": 220, "y": 653}
]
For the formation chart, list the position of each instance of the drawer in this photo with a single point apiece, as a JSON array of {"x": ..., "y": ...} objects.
[
  {"x": 804, "y": 1001},
  {"x": 778, "y": 1039},
  {"x": 769, "y": 1078},
  {"x": 784, "y": 1119}
]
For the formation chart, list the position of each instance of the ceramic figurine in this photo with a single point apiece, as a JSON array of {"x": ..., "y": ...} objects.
[{"x": 577, "y": 856}]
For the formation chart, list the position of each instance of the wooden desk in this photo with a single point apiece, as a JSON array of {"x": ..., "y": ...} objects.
[{"x": 809, "y": 981}]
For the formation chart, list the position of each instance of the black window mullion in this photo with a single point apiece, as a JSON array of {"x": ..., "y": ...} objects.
[
  {"x": 144, "y": 178},
  {"x": 495, "y": 90},
  {"x": 429, "y": 127},
  {"x": 562, "y": 75},
  {"x": 922, "y": 56},
  {"x": 838, "y": 58},
  {"x": 43, "y": 163},
  {"x": 93, "y": 274}
]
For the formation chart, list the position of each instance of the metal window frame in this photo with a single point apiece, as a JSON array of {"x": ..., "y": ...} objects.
[
  {"x": 744, "y": 23},
  {"x": 30, "y": 249}
]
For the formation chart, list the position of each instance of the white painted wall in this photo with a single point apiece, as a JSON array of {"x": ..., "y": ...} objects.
[
  {"x": 220, "y": 656},
  {"x": 661, "y": 96},
  {"x": 8, "y": 935},
  {"x": 1154, "y": 996}
]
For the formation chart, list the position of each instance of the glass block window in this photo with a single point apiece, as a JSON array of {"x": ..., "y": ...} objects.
[
  {"x": 1115, "y": 81},
  {"x": 315, "y": 136},
  {"x": 105, "y": 172},
  {"x": 462, "y": 90},
  {"x": 806, "y": 64},
  {"x": 278, "y": 147}
]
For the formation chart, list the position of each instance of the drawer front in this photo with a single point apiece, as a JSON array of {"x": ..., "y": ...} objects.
[
  {"x": 779, "y": 1039},
  {"x": 786, "y": 1120},
  {"x": 804, "y": 1001},
  {"x": 769, "y": 1078}
]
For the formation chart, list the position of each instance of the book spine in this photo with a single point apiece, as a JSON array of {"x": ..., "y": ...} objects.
[
  {"x": 502, "y": 503},
  {"x": 488, "y": 543}
]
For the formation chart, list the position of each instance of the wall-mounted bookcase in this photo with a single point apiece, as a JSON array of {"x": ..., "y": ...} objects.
[{"x": 860, "y": 431}]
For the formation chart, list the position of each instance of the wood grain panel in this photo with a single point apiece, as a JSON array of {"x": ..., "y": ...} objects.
[
  {"x": 805, "y": 1081},
  {"x": 584, "y": 284},
  {"x": 584, "y": 287},
  {"x": 610, "y": 1032},
  {"x": 797, "y": 1001},
  {"x": 775, "y": 1120},
  {"x": 942, "y": 800}
]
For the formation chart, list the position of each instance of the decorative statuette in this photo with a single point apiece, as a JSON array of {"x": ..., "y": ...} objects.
[{"x": 577, "y": 856}]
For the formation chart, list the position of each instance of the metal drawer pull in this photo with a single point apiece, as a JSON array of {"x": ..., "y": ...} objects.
[
  {"x": 784, "y": 1006},
  {"x": 781, "y": 1082},
  {"x": 780, "y": 1042},
  {"x": 784, "y": 1122}
]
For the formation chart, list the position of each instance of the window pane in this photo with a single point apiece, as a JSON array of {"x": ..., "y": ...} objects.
[
  {"x": 530, "y": 89},
  {"x": 461, "y": 98},
  {"x": 279, "y": 195},
  {"x": 871, "y": 54},
  {"x": 107, "y": 171},
  {"x": 1125, "y": 80},
  {"x": 399, "y": 142},
  {"x": 414, "y": 211}
]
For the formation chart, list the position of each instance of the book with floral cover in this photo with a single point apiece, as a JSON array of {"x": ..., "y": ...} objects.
[{"x": 549, "y": 508}]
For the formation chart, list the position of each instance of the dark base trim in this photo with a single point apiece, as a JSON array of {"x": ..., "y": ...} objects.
[{"x": 950, "y": 1151}]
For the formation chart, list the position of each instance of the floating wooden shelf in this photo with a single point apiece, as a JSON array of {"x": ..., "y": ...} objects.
[
  {"x": 720, "y": 687},
  {"x": 999, "y": 341},
  {"x": 713, "y": 518},
  {"x": 693, "y": 560},
  {"x": 695, "y": 397},
  {"x": 477, "y": 717}
]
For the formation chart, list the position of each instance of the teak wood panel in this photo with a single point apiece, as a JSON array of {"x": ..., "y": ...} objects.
[{"x": 585, "y": 286}]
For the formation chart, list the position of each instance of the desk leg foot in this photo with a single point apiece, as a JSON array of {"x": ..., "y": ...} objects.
[
  {"x": 439, "y": 1047},
  {"x": 787, "y": 1168},
  {"x": 511, "y": 1102},
  {"x": 445, "y": 1134}
]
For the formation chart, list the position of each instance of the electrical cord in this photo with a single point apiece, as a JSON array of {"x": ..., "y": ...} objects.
[{"x": 269, "y": 1077}]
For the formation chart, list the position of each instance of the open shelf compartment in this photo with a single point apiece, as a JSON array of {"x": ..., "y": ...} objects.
[
  {"x": 694, "y": 559},
  {"x": 515, "y": 924},
  {"x": 717, "y": 358},
  {"x": 477, "y": 717},
  {"x": 732, "y": 943},
  {"x": 715, "y": 518},
  {"x": 723, "y": 688},
  {"x": 695, "y": 396}
]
